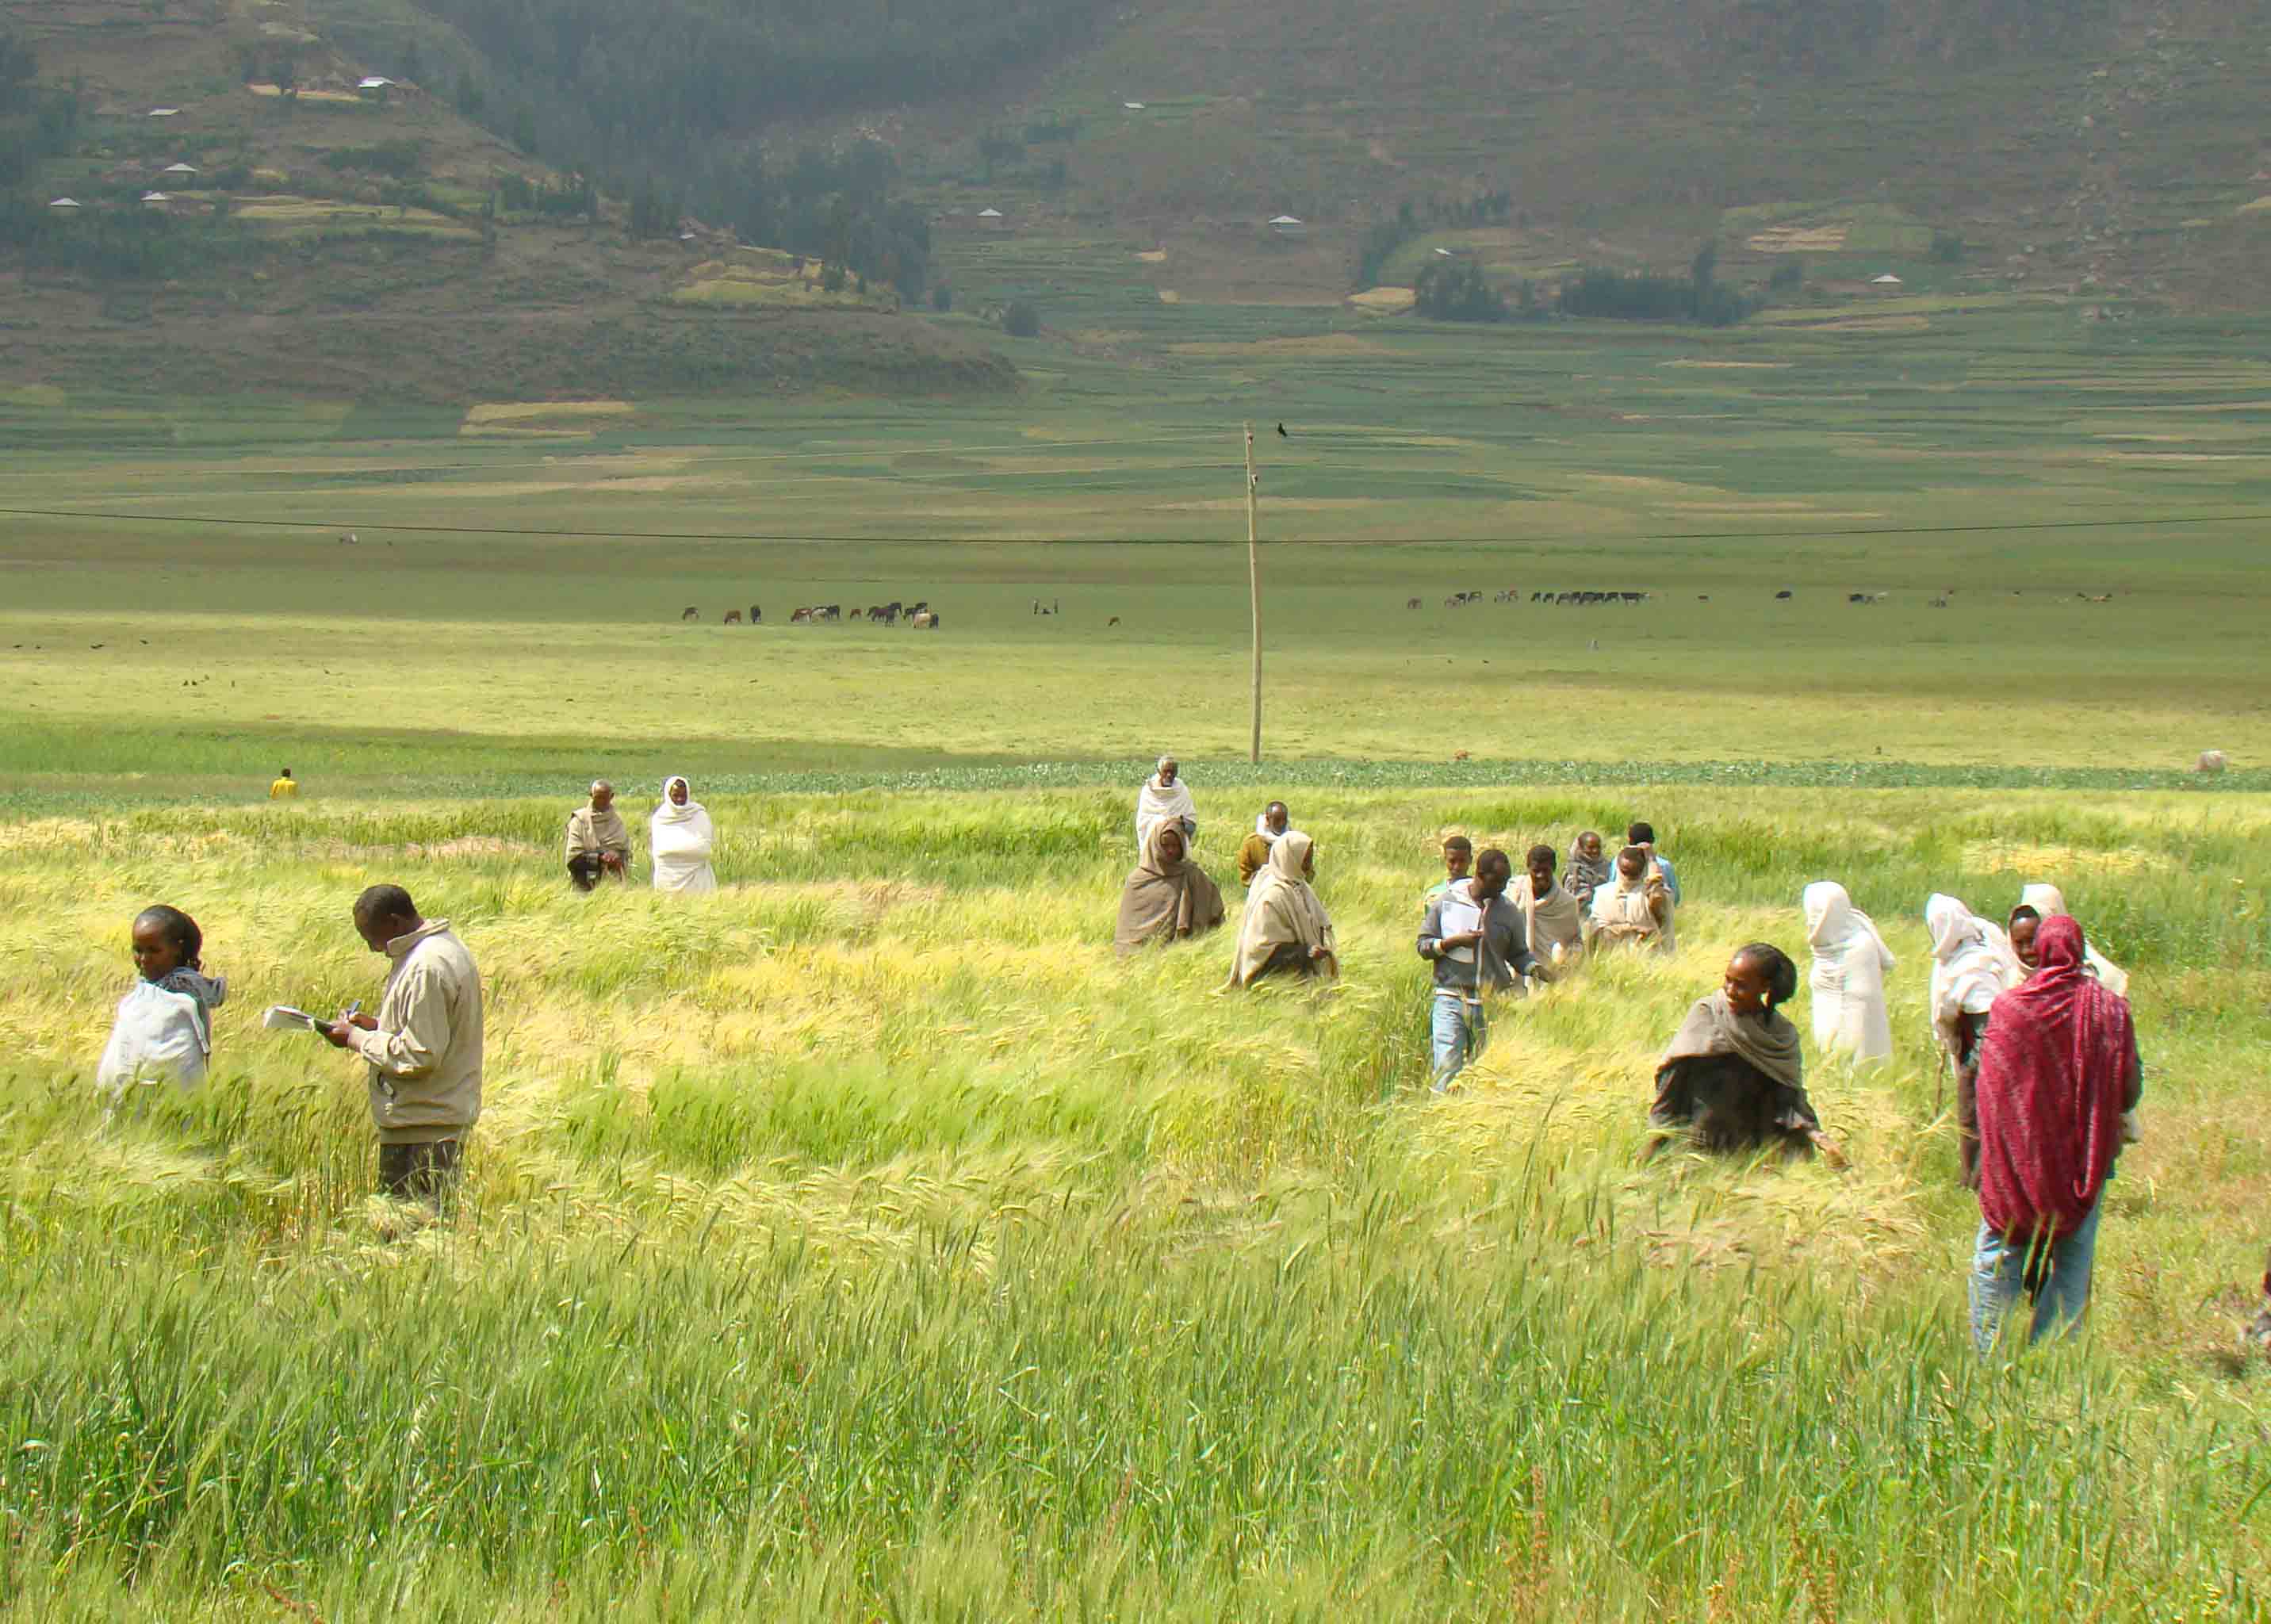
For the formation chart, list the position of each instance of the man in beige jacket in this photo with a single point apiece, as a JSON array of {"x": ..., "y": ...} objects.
[
  {"x": 424, "y": 1045},
  {"x": 598, "y": 842}
]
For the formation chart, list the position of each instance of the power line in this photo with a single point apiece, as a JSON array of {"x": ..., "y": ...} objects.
[{"x": 578, "y": 533}]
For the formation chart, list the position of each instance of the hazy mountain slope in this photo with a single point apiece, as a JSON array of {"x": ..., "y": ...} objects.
[{"x": 2112, "y": 138}]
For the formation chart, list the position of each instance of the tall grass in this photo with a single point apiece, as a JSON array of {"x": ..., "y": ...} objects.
[{"x": 867, "y": 1241}]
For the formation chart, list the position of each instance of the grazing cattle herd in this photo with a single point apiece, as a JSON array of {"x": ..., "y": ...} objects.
[{"x": 922, "y": 616}]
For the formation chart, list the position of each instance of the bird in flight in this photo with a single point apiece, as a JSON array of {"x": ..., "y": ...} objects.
[{"x": 1281, "y": 434}]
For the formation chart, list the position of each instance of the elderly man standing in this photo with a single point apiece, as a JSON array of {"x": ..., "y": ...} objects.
[
  {"x": 423, "y": 1047},
  {"x": 598, "y": 842},
  {"x": 1164, "y": 796}
]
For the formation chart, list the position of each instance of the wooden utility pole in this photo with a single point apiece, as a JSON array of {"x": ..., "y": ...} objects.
[{"x": 1254, "y": 590}]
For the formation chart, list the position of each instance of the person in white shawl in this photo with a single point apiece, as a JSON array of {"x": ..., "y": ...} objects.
[
  {"x": 1284, "y": 927},
  {"x": 1972, "y": 963},
  {"x": 682, "y": 837},
  {"x": 1847, "y": 979},
  {"x": 2048, "y": 900},
  {"x": 1165, "y": 795},
  {"x": 1636, "y": 911}
]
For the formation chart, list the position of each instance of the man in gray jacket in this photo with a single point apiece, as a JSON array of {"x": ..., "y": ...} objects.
[
  {"x": 423, "y": 1047},
  {"x": 1475, "y": 937}
]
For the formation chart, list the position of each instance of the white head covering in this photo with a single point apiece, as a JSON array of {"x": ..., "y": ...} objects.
[
  {"x": 1848, "y": 975},
  {"x": 682, "y": 837},
  {"x": 1971, "y": 962},
  {"x": 2046, "y": 900}
]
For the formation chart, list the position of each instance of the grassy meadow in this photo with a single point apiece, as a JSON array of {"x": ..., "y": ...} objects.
[{"x": 866, "y": 1241}]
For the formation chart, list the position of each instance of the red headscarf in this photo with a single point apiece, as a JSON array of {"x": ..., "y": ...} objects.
[{"x": 2053, "y": 1071}]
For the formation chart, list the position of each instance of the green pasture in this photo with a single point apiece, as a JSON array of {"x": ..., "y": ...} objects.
[
  {"x": 865, "y": 1240},
  {"x": 513, "y": 605}
]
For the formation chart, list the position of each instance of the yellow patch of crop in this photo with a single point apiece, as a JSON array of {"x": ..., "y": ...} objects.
[
  {"x": 1384, "y": 301},
  {"x": 1734, "y": 366},
  {"x": 2052, "y": 864},
  {"x": 1168, "y": 295},
  {"x": 525, "y": 411},
  {"x": 2261, "y": 205},
  {"x": 1153, "y": 257},
  {"x": 1325, "y": 346},
  {"x": 1798, "y": 239}
]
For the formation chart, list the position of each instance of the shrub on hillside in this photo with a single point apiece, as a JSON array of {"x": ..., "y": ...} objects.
[{"x": 1022, "y": 320}]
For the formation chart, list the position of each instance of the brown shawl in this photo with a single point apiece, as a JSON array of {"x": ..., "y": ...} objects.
[
  {"x": 1166, "y": 899},
  {"x": 1768, "y": 1042}
]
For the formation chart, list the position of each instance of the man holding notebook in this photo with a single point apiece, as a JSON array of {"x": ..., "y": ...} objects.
[
  {"x": 423, "y": 1046},
  {"x": 1475, "y": 937}
]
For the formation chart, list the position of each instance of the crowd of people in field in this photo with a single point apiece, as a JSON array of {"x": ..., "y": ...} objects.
[{"x": 2033, "y": 1021}]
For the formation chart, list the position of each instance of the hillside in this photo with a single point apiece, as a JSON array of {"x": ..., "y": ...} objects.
[
  {"x": 313, "y": 236},
  {"x": 2091, "y": 146}
]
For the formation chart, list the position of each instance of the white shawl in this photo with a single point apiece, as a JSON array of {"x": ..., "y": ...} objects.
[
  {"x": 2047, "y": 900},
  {"x": 1155, "y": 804},
  {"x": 682, "y": 837},
  {"x": 1847, "y": 977},
  {"x": 1280, "y": 908},
  {"x": 1624, "y": 912},
  {"x": 1971, "y": 962}
]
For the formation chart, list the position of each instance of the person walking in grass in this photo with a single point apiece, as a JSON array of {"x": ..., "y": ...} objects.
[
  {"x": 1643, "y": 835},
  {"x": 423, "y": 1046},
  {"x": 1268, "y": 829},
  {"x": 1458, "y": 859},
  {"x": 1285, "y": 930},
  {"x": 1588, "y": 869},
  {"x": 598, "y": 844},
  {"x": 1847, "y": 978},
  {"x": 1733, "y": 1077},
  {"x": 1551, "y": 915},
  {"x": 1165, "y": 798},
  {"x": 2043, "y": 900},
  {"x": 1972, "y": 965},
  {"x": 163, "y": 1031},
  {"x": 1634, "y": 912},
  {"x": 1475, "y": 938},
  {"x": 285, "y": 787},
  {"x": 2058, "y": 1071},
  {"x": 680, "y": 839},
  {"x": 1168, "y": 897}
]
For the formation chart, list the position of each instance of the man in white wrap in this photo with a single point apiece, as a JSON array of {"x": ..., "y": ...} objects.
[
  {"x": 1165, "y": 795},
  {"x": 1847, "y": 979},
  {"x": 681, "y": 838}
]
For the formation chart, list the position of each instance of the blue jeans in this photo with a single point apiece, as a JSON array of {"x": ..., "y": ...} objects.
[
  {"x": 1998, "y": 1280},
  {"x": 1456, "y": 1031}
]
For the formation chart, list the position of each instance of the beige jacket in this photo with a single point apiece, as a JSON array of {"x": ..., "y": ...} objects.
[
  {"x": 1557, "y": 922},
  {"x": 425, "y": 1056},
  {"x": 591, "y": 832}
]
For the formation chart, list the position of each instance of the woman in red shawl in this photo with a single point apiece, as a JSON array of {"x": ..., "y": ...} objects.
[{"x": 2057, "y": 1068}]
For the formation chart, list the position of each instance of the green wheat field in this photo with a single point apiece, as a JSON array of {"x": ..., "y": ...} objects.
[{"x": 865, "y": 1242}]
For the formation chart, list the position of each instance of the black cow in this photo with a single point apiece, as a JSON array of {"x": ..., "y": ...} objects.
[{"x": 1782, "y": 595}]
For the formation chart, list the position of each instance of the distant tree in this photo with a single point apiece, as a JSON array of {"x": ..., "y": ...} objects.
[
  {"x": 654, "y": 209},
  {"x": 1022, "y": 320},
  {"x": 1787, "y": 277},
  {"x": 832, "y": 277},
  {"x": 1947, "y": 247},
  {"x": 1456, "y": 290},
  {"x": 941, "y": 298}
]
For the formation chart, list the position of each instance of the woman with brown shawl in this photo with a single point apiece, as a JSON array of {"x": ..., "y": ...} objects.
[
  {"x": 1167, "y": 897},
  {"x": 1733, "y": 1077},
  {"x": 1285, "y": 927}
]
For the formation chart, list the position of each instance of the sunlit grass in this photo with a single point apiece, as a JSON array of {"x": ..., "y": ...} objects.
[{"x": 867, "y": 1239}]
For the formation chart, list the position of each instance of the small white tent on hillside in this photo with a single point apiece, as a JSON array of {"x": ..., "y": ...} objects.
[{"x": 1286, "y": 225}]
